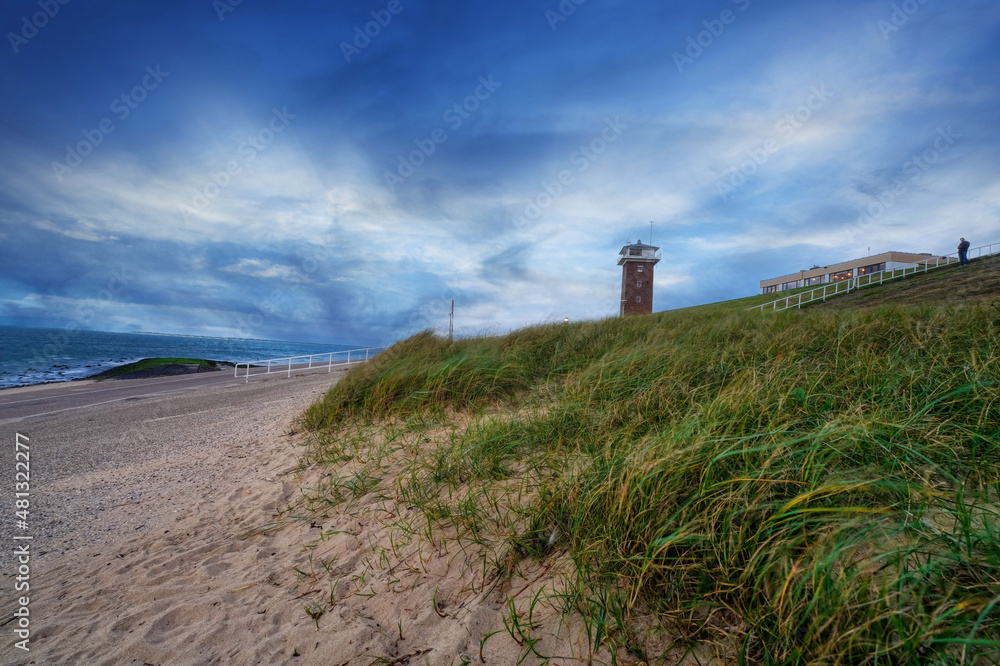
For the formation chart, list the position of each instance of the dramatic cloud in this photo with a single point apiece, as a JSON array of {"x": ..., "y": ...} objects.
[{"x": 341, "y": 174}]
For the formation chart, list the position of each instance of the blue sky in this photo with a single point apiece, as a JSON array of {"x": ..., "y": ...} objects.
[{"x": 338, "y": 172}]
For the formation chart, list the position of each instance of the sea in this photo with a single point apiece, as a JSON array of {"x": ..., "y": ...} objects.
[{"x": 42, "y": 355}]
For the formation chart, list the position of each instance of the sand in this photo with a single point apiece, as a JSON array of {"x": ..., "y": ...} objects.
[{"x": 166, "y": 538}]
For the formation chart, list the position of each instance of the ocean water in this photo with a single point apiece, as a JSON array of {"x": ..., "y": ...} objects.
[{"x": 39, "y": 355}]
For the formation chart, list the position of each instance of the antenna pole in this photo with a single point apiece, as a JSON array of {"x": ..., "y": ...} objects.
[
  {"x": 650, "y": 232},
  {"x": 451, "y": 322}
]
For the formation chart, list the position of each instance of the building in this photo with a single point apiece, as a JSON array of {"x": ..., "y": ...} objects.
[
  {"x": 845, "y": 270},
  {"x": 637, "y": 262}
]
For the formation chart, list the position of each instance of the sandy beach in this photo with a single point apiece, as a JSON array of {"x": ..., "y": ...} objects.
[{"x": 162, "y": 535}]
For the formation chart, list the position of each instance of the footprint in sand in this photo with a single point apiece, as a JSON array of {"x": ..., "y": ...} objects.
[{"x": 165, "y": 625}]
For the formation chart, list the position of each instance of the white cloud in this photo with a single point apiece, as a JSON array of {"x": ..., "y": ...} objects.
[{"x": 261, "y": 268}]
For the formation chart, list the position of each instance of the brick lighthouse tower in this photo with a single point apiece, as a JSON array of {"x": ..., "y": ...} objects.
[{"x": 637, "y": 262}]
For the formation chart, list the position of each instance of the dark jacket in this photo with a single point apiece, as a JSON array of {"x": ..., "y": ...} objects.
[{"x": 963, "y": 246}]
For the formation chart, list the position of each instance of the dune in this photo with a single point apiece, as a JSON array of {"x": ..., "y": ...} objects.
[{"x": 191, "y": 553}]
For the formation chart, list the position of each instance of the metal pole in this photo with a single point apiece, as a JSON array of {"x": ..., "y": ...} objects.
[
  {"x": 451, "y": 322},
  {"x": 329, "y": 367}
]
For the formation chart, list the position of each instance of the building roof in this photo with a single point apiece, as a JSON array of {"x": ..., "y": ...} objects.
[
  {"x": 902, "y": 257},
  {"x": 639, "y": 245}
]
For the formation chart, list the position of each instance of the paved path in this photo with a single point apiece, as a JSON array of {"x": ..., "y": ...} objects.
[
  {"x": 33, "y": 402},
  {"x": 85, "y": 426},
  {"x": 98, "y": 449}
]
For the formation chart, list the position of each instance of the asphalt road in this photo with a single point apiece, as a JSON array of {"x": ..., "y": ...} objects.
[
  {"x": 86, "y": 426},
  {"x": 108, "y": 457},
  {"x": 30, "y": 403}
]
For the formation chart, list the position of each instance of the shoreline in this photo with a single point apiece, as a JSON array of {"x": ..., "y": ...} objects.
[
  {"x": 117, "y": 488},
  {"x": 94, "y": 377},
  {"x": 37, "y": 355},
  {"x": 166, "y": 530}
]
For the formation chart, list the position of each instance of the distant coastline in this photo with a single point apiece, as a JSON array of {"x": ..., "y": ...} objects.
[{"x": 44, "y": 356}]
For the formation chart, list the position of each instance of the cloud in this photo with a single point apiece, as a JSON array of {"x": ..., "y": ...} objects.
[
  {"x": 259, "y": 268},
  {"x": 307, "y": 234}
]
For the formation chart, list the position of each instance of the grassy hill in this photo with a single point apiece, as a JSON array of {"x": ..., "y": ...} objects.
[
  {"x": 816, "y": 486},
  {"x": 979, "y": 282}
]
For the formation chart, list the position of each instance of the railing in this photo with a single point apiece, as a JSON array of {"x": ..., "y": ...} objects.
[
  {"x": 288, "y": 363},
  {"x": 854, "y": 283},
  {"x": 644, "y": 254}
]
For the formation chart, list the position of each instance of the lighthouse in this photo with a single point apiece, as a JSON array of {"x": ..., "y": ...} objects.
[{"x": 637, "y": 262}]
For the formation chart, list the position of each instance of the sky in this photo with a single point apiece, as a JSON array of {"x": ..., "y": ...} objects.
[{"x": 340, "y": 172}]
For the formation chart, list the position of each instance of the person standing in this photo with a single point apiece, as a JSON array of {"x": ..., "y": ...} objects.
[{"x": 963, "y": 252}]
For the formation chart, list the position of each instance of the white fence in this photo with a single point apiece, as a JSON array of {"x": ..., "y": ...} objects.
[
  {"x": 854, "y": 283},
  {"x": 286, "y": 364}
]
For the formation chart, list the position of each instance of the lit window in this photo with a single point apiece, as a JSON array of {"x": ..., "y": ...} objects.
[
  {"x": 638, "y": 283},
  {"x": 638, "y": 299},
  {"x": 874, "y": 268},
  {"x": 639, "y": 269}
]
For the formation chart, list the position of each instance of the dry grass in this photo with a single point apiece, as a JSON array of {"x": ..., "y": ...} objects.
[{"x": 814, "y": 487}]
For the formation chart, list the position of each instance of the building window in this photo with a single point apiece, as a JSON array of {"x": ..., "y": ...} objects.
[
  {"x": 770, "y": 290},
  {"x": 638, "y": 299},
  {"x": 790, "y": 285},
  {"x": 638, "y": 283},
  {"x": 842, "y": 275},
  {"x": 638, "y": 269},
  {"x": 874, "y": 268},
  {"x": 808, "y": 282}
]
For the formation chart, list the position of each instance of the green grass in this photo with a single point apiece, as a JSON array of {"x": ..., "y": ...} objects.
[
  {"x": 811, "y": 487},
  {"x": 150, "y": 363}
]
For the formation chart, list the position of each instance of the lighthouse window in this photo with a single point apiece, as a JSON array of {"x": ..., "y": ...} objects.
[
  {"x": 638, "y": 283},
  {"x": 638, "y": 299},
  {"x": 638, "y": 269}
]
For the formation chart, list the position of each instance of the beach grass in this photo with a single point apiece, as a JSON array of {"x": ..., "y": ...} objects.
[{"x": 814, "y": 487}]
